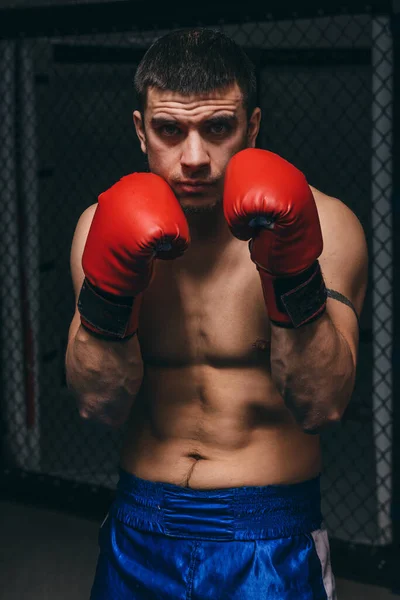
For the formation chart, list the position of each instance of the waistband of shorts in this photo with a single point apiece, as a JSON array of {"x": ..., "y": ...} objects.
[{"x": 237, "y": 513}]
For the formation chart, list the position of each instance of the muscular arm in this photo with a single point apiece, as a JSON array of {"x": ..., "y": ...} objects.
[
  {"x": 314, "y": 366},
  {"x": 104, "y": 376}
]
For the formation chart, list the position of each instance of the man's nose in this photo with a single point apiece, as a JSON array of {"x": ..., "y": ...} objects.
[{"x": 194, "y": 152}]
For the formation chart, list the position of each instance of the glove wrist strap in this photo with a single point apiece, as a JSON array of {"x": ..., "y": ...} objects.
[
  {"x": 107, "y": 316},
  {"x": 295, "y": 300}
]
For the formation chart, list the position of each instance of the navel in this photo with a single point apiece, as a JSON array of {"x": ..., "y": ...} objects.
[{"x": 196, "y": 456}]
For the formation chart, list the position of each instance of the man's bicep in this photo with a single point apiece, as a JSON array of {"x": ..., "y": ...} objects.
[
  {"x": 77, "y": 247},
  {"x": 344, "y": 264},
  {"x": 77, "y": 274},
  {"x": 344, "y": 259}
]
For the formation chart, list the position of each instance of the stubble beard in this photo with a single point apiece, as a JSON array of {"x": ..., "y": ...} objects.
[{"x": 207, "y": 209}]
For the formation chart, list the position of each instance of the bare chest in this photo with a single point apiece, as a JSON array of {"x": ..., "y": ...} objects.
[{"x": 214, "y": 316}]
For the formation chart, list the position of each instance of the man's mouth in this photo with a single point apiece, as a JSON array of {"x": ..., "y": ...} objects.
[{"x": 194, "y": 187}]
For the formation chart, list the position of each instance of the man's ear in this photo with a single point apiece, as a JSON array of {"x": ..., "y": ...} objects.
[
  {"x": 253, "y": 127},
  {"x": 140, "y": 132}
]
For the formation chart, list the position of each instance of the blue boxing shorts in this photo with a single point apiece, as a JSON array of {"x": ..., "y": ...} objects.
[{"x": 166, "y": 542}]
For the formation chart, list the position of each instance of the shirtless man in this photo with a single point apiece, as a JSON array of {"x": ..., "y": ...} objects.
[{"x": 225, "y": 358}]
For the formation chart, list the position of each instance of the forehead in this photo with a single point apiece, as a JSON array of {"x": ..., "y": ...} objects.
[{"x": 194, "y": 106}]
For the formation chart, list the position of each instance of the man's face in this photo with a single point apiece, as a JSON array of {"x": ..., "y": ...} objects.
[{"x": 190, "y": 139}]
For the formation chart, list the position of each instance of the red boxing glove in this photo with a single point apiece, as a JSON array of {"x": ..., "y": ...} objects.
[
  {"x": 137, "y": 220},
  {"x": 267, "y": 199}
]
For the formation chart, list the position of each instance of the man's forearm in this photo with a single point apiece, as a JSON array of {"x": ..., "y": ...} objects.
[
  {"x": 313, "y": 369},
  {"x": 104, "y": 376}
]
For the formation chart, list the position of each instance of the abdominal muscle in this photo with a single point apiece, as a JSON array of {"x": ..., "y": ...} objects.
[{"x": 206, "y": 428}]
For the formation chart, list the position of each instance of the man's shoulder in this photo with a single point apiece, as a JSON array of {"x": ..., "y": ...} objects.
[
  {"x": 344, "y": 259},
  {"x": 326, "y": 203},
  {"x": 334, "y": 213},
  {"x": 88, "y": 213}
]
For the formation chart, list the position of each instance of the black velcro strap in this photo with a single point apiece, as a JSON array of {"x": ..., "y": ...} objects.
[
  {"x": 107, "y": 336},
  {"x": 303, "y": 296},
  {"x": 107, "y": 317}
]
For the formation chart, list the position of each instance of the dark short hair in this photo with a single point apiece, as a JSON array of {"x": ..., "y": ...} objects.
[{"x": 192, "y": 61}]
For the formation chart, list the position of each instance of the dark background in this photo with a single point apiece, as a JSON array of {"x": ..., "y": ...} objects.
[{"x": 327, "y": 88}]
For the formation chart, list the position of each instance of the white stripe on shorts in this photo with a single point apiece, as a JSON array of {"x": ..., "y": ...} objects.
[{"x": 321, "y": 544}]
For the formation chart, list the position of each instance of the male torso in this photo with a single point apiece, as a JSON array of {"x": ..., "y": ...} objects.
[{"x": 208, "y": 414}]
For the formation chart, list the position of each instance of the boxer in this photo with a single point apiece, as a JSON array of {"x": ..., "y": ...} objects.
[{"x": 217, "y": 311}]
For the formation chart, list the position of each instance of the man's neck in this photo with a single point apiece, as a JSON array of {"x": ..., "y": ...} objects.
[
  {"x": 209, "y": 228},
  {"x": 210, "y": 237}
]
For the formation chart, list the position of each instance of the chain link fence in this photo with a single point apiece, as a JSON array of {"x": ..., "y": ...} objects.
[{"x": 66, "y": 134}]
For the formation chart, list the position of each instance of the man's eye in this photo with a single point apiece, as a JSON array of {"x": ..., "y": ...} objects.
[
  {"x": 169, "y": 130},
  {"x": 218, "y": 128}
]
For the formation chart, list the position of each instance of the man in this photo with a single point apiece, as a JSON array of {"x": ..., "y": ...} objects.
[{"x": 225, "y": 358}]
